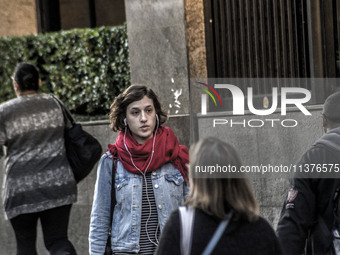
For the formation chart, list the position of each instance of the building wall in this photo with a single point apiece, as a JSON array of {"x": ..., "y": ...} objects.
[
  {"x": 196, "y": 50},
  {"x": 195, "y": 34},
  {"x": 17, "y": 17},
  {"x": 74, "y": 14},
  {"x": 110, "y": 12}
]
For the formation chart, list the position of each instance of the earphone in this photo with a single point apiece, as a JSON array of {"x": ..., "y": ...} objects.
[{"x": 144, "y": 177}]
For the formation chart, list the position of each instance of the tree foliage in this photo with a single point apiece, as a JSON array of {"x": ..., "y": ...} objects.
[{"x": 85, "y": 68}]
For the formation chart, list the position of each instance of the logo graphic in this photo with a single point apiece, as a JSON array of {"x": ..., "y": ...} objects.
[
  {"x": 204, "y": 97},
  {"x": 239, "y": 99},
  {"x": 245, "y": 101}
]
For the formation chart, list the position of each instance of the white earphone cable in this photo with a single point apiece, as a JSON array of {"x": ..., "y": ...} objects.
[{"x": 144, "y": 178}]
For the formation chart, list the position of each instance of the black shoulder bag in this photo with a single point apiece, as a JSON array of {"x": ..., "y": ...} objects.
[
  {"x": 82, "y": 149},
  {"x": 108, "y": 250}
]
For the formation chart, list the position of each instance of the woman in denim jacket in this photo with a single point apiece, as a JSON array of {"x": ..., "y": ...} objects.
[{"x": 150, "y": 179}]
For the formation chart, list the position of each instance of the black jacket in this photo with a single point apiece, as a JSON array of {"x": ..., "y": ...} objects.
[
  {"x": 240, "y": 237},
  {"x": 311, "y": 197}
]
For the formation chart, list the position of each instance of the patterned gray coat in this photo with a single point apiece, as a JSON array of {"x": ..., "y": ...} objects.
[{"x": 37, "y": 174}]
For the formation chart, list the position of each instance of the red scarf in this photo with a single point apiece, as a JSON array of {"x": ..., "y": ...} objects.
[{"x": 166, "y": 150}]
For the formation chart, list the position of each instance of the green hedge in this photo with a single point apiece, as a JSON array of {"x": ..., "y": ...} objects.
[{"x": 85, "y": 68}]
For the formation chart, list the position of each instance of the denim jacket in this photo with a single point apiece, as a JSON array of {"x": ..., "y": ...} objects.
[{"x": 169, "y": 189}]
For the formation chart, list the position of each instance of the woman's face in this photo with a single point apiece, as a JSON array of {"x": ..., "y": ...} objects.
[{"x": 141, "y": 119}]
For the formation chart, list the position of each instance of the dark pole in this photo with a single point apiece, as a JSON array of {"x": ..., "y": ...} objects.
[
  {"x": 48, "y": 15},
  {"x": 53, "y": 14},
  {"x": 92, "y": 13},
  {"x": 40, "y": 24}
]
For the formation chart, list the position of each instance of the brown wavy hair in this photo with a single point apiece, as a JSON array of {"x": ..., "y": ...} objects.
[
  {"x": 216, "y": 196},
  {"x": 131, "y": 94}
]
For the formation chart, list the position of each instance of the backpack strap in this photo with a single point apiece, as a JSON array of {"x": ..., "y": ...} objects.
[
  {"x": 113, "y": 190},
  {"x": 112, "y": 206},
  {"x": 187, "y": 218},
  {"x": 217, "y": 235}
]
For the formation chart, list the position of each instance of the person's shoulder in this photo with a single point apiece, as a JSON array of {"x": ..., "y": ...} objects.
[
  {"x": 166, "y": 130},
  {"x": 106, "y": 158},
  {"x": 173, "y": 222},
  {"x": 44, "y": 98},
  {"x": 264, "y": 228},
  {"x": 264, "y": 235},
  {"x": 329, "y": 142},
  {"x": 8, "y": 108},
  {"x": 8, "y": 103},
  {"x": 263, "y": 222},
  {"x": 106, "y": 162},
  {"x": 258, "y": 225},
  {"x": 174, "y": 217},
  {"x": 318, "y": 154}
]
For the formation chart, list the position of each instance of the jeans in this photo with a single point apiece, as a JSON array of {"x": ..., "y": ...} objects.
[{"x": 54, "y": 223}]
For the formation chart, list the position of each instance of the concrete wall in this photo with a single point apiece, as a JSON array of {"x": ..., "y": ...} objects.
[
  {"x": 80, "y": 215},
  {"x": 265, "y": 145},
  {"x": 157, "y": 49}
]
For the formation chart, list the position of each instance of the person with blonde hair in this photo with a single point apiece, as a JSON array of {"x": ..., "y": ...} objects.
[{"x": 215, "y": 201}]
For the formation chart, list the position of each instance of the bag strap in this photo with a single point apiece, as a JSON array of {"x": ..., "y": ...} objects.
[
  {"x": 113, "y": 193},
  {"x": 187, "y": 216},
  {"x": 217, "y": 235},
  {"x": 69, "y": 120}
]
